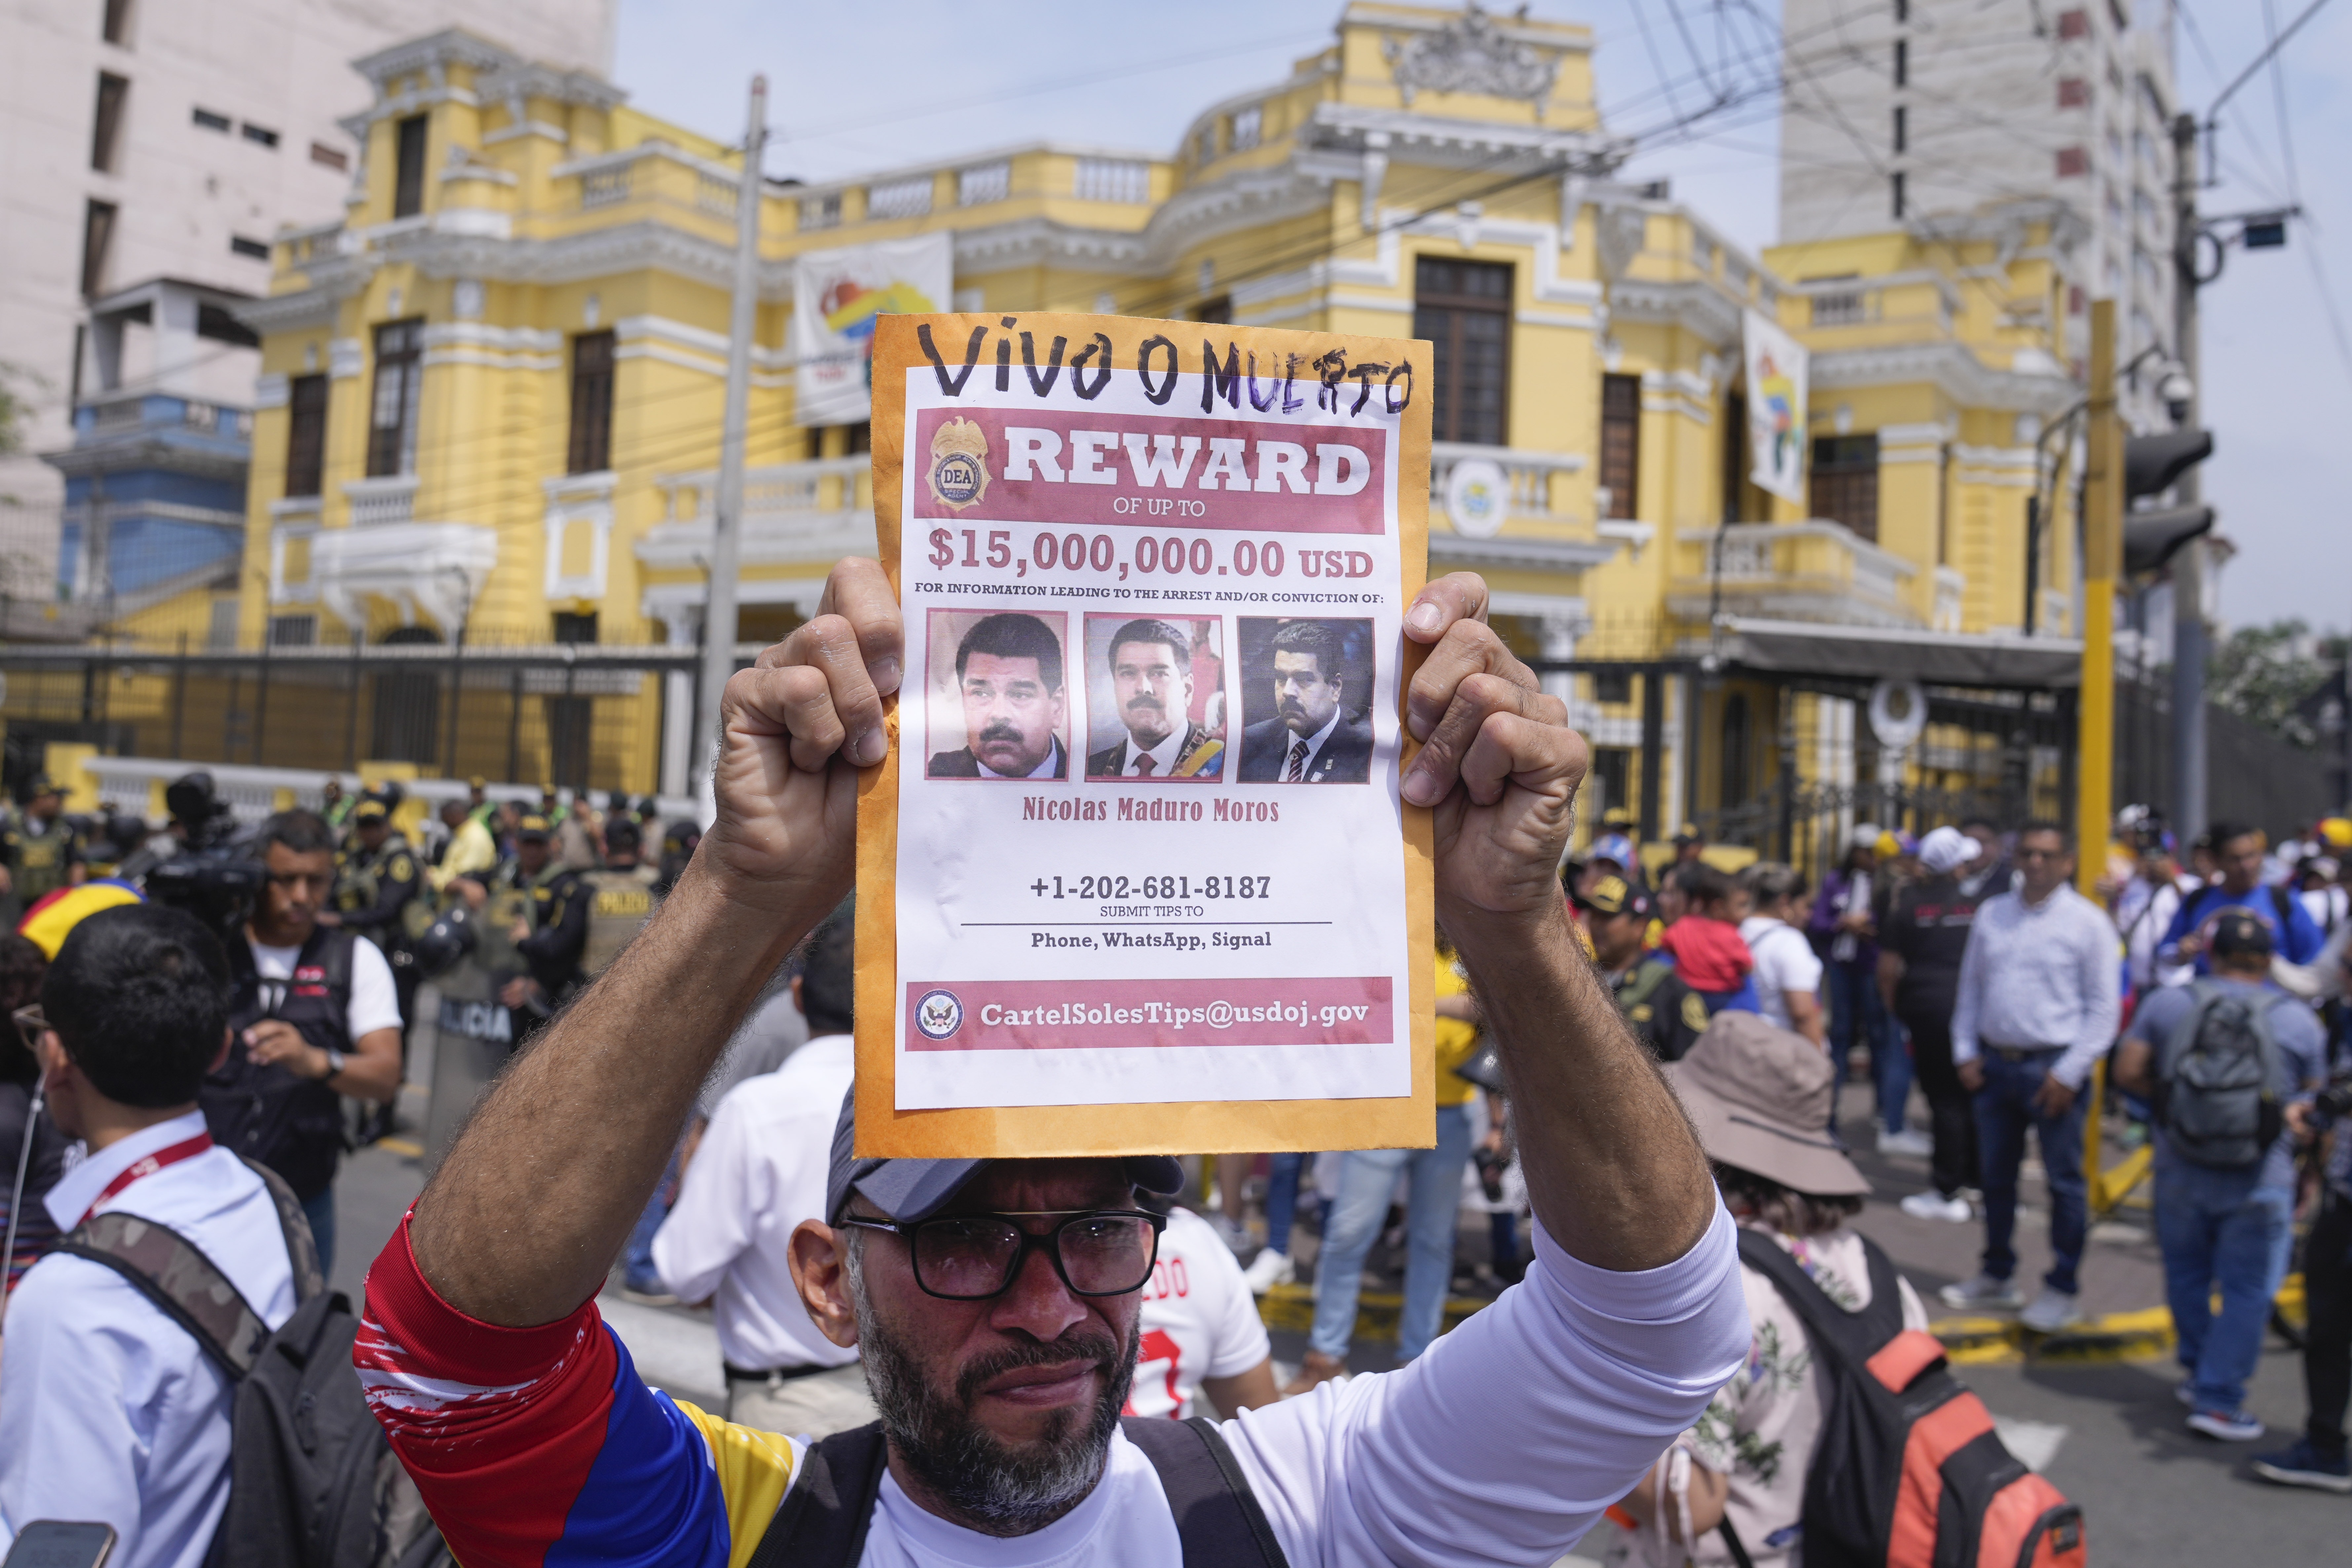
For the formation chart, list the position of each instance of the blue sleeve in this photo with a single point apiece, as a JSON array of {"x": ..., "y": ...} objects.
[
  {"x": 2303, "y": 938},
  {"x": 2184, "y": 921}
]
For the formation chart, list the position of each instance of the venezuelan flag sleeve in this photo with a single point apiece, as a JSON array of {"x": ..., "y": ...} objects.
[{"x": 541, "y": 1447}]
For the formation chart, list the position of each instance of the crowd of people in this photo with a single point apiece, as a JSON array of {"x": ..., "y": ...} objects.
[{"x": 1638, "y": 1074}]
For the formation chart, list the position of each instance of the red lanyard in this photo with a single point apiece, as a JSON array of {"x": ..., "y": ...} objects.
[{"x": 187, "y": 1148}]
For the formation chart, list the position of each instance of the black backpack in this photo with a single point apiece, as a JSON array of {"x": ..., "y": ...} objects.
[
  {"x": 2217, "y": 1079},
  {"x": 822, "y": 1522},
  {"x": 313, "y": 1482},
  {"x": 1908, "y": 1472}
]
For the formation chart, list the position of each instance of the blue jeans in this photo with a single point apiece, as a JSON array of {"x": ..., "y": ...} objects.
[
  {"x": 1857, "y": 1012},
  {"x": 637, "y": 1269},
  {"x": 1281, "y": 1198},
  {"x": 320, "y": 1212},
  {"x": 1434, "y": 1180},
  {"x": 2220, "y": 1230},
  {"x": 2004, "y": 1109}
]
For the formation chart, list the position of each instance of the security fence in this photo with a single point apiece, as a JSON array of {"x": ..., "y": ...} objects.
[{"x": 580, "y": 715}]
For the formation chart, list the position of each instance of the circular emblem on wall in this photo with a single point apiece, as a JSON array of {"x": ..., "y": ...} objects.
[
  {"x": 1477, "y": 498},
  {"x": 1898, "y": 713},
  {"x": 959, "y": 471},
  {"x": 939, "y": 1014}
]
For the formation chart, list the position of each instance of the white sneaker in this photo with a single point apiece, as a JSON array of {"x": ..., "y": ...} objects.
[
  {"x": 1917, "y": 1144},
  {"x": 2051, "y": 1311},
  {"x": 1928, "y": 1206},
  {"x": 1269, "y": 1268},
  {"x": 1982, "y": 1292}
]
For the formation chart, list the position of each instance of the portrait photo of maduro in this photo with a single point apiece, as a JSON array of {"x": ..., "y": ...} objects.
[
  {"x": 1155, "y": 698},
  {"x": 994, "y": 706},
  {"x": 1306, "y": 694}
]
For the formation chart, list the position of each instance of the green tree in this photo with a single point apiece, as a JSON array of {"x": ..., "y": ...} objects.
[{"x": 2264, "y": 673}]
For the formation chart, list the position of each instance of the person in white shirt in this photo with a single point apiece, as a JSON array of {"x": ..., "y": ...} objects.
[
  {"x": 997, "y": 1303},
  {"x": 317, "y": 1018},
  {"x": 758, "y": 1171},
  {"x": 2144, "y": 909},
  {"x": 2038, "y": 1004},
  {"x": 108, "y": 1409},
  {"x": 1788, "y": 973},
  {"x": 1201, "y": 1331}
]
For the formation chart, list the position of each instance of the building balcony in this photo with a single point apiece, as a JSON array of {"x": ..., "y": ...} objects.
[
  {"x": 1476, "y": 492},
  {"x": 1812, "y": 571},
  {"x": 792, "y": 512},
  {"x": 374, "y": 502}
]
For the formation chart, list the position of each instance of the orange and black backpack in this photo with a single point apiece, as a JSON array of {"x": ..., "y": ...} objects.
[{"x": 1909, "y": 1472}]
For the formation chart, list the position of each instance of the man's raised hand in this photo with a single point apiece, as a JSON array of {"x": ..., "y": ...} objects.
[
  {"x": 794, "y": 729},
  {"x": 1489, "y": 727}
]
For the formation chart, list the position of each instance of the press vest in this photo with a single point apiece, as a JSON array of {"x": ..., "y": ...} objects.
[{"x": 293, "y": 1125}]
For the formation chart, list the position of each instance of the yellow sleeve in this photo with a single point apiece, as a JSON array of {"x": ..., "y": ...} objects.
[
  {"x": 755, "y": 1469},
  {"x": 1456, "y": 1040}
]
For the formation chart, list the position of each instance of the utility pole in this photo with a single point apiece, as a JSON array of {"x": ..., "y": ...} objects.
[
  {"x": 2188, "y": 646},
  {"x": 2103, "y": 529},
  {"x": 727, "y": 504}
]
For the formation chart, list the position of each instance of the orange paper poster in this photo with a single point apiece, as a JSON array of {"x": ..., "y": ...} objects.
[{"x": 1137, "y": 876}]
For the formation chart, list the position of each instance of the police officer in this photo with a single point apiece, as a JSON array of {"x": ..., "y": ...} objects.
[
  {"x": 315, "y": 1018},
  {"x": 375, "y": 898},
  {"x": 41, "y": 850},
  {"x": 550, "y": 927},
  {"x": 621, "y": 896}
]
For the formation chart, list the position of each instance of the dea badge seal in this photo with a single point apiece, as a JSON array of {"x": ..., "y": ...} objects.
[
  {"x": 939, "y": 1014},
  {"x": 959, "y": 472}
]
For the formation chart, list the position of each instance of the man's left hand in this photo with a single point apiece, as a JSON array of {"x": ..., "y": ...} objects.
[
  {"x": 1489, "y": 727},
  {"x": 518, "y": 992},
  {"x": 276, "y": 1040},
  {"x": 2053, "y": 1099}
]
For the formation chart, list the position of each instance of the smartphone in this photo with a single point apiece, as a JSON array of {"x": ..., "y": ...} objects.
[{"x": 55, "y": 1543}]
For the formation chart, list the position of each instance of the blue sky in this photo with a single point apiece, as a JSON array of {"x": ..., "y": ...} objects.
[{"x": 849, "y": 87}]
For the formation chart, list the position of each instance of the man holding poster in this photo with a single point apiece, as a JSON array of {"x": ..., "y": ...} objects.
[
  {"x": 535, "y": 1440},
  {"x": 1060, "y": 982}
]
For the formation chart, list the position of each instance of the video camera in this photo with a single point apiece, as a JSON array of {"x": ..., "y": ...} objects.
[
  {"x": 211, "y": 874},
  {"x": 2334, "y": 1100}
]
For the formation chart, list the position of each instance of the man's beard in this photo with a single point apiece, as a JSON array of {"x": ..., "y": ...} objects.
[{"x": 992, "y": 1488}]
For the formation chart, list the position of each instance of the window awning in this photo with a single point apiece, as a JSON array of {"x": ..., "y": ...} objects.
[{"x": 1871, "y": 653}]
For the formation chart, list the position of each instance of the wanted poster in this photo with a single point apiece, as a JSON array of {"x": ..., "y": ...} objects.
[{"x": 1136, "y": 875}]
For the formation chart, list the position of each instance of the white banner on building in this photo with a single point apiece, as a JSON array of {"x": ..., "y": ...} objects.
[
  {"x": 837, "y": 295},
  {"x": 1775, "y": 409}
]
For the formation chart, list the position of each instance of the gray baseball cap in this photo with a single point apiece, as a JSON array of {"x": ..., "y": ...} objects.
[{"x": 910, "y": 1190}]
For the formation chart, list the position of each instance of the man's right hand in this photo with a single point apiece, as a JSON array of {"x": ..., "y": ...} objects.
[
  {"x": 1970, "y": 1074},
  {"x": 786, "y": 832}
]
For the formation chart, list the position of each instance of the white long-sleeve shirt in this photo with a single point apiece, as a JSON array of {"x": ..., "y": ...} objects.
[
  {"x": 109, "y": 1411},
  {"x": 761, "y": 1170},
  {"x": 1501, "y": 1445},
  {"x": 2040, "y": 975}
]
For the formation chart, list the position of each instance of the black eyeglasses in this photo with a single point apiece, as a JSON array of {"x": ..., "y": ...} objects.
[{"x": 972, "y": 1257}]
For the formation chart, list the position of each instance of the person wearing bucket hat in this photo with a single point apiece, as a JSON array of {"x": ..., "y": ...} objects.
[
  {"x": 998, "y": 1303},
  {"x": 1759, "y": 1097}
]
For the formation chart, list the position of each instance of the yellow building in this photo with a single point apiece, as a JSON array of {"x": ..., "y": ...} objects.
[{"x": 492, "y": 393}]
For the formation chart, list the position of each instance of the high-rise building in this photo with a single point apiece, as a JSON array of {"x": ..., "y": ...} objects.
[
  {"x": 1917, "y": 115},
  {"x": 149, "y": 151}
]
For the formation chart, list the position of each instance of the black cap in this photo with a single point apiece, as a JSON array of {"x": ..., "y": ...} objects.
[
  {"x": 1614, "y": 896},
  {"x": 2241, "y": 933},
  {"x": 910, "y": 1190},
  {"x": 370, "y": 809},
  {"x": 532, "y": 827}
]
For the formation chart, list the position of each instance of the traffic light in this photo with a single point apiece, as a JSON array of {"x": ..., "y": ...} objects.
[{"x": 2152, "y": 464}]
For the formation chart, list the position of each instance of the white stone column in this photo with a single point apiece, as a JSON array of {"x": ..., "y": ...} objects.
[{"x": 678, "y": 705}]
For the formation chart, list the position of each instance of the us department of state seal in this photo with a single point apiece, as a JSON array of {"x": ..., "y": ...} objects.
[{"x": 959, "y": 473}]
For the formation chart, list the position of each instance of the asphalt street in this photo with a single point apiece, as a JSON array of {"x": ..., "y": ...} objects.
[{"x": 2107, "y": 1432}]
